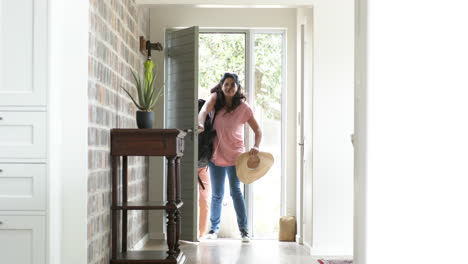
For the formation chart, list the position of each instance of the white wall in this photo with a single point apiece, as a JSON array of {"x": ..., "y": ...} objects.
[
  {"x": 163, "y": 17},
  {"x": 333, "y": 111},
  {"x": 360, "y": 133},
  {"x": 417, "y": 132},
  {"x": 68, "y": 131}
]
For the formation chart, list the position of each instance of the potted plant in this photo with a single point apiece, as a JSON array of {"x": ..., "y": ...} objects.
[{"x": 148, "y": 95}]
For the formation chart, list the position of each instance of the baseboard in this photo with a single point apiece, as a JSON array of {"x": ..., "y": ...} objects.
[
  {"x": 299, "y": 240},
  {"x": 307, "y": 246},
  {"x": 157, "y": 235},
  {"x": 141, "y": 243},
  {"x": 331, "y": 252}
]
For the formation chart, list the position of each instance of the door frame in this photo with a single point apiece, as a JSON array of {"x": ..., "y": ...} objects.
[{"x": 300, "y": 145}]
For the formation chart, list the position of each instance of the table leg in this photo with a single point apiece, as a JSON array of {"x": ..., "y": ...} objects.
[
  {"x": 115, "y": 160},
  {"x": 171, "y": 207},
  {"x": 124, "y": 200},
  {"x": 178, "y": 200},
  {"x": 171, "y": 253}
]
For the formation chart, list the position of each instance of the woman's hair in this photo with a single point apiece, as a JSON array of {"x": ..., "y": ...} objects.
[{"x": 221, "y": 100}]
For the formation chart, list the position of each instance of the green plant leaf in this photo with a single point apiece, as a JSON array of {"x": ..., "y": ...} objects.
[
  {"x": 155, "y": 99},
  {"x": 147, "y": 94},
  {"x": 139, "y": 89},
  {"x": 131, "y": 97},
  {"x": 137, "y": 79}
]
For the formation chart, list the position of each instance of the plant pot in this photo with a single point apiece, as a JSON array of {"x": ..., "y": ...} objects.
[{"x": 145, "y": 119}]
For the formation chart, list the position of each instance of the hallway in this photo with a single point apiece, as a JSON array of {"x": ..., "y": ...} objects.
[{"x": 230, "y": 251}]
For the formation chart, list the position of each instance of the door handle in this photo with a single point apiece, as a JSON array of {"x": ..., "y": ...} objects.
[
  {"x": 190, "y": 130},
  {"x": 301, "y": 143}
]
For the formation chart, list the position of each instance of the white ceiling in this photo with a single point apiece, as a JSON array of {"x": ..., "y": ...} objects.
[{"x": 231, "y": 3}]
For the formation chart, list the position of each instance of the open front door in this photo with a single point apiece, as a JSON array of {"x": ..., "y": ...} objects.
[{"x": 181, "y": 112}]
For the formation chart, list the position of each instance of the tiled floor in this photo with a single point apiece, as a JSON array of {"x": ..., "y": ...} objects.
[{"x": 227, "y": 251}]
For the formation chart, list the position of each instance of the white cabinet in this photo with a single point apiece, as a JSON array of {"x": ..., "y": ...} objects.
[
  {"x": 22, "y": 239},
  {"x": 23, "y": 52},
  {"x": 22, "y": 135},
  {"x": 23, "y": 130},
  {"x": 22, "y": 187}
]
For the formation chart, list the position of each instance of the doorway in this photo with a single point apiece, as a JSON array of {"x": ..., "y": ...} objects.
[{"x": 257, "y": 56}]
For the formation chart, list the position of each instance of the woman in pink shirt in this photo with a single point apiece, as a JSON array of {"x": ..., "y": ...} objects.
[{"x": 232, "y": 112}]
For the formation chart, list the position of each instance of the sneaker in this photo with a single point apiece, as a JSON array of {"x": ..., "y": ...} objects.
[
  {"x": 245, "y": 236},
  {"x": 211, "y": 235}
]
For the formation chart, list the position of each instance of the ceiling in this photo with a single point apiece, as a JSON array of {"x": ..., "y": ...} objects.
[{"x": 231, "y": 3}]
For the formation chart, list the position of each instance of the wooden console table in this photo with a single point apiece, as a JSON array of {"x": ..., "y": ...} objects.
[{"x": 147, "y": 142}]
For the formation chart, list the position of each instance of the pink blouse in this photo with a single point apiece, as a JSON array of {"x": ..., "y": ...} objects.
[{"x": 229, "y": 140}]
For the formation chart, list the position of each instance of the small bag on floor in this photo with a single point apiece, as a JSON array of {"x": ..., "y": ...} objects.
[{"x": 287, "y": 228}]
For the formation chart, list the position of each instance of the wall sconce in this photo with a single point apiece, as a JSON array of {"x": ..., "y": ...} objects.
[{"x": 146, "y": 46}]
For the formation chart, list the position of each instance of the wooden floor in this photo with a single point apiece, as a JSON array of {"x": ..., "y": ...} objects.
[{"x": 228, "y": 251}]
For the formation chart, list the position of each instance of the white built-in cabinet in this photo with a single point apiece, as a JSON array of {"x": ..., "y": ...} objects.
[
  {"x": 22, "y": 239},
  {"x": 23, "y": 135},
  {"x": 23, "y": 131},
  {"x": 23, "y": 186}
]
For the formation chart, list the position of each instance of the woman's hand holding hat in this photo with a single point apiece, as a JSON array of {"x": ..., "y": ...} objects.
[
  {"x": 254, "y": 151},
  {"x": 250, "y": 167}
]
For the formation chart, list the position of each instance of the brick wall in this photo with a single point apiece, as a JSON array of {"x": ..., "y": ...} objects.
[{"x": 114, "y": 30}]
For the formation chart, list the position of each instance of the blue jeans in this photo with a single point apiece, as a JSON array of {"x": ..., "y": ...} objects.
[{"x": 217, "y": 177}]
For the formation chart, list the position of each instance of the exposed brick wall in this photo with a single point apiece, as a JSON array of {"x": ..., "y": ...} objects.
[{"x": 114, "y": 30}]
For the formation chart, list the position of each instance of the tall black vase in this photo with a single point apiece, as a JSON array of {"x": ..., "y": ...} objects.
[{"x": 145, "y": 119}]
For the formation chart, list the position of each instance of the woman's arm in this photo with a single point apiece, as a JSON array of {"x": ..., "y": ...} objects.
[
  {"x": 206, "y": 108},
  {"x": 258, "y": 135}
]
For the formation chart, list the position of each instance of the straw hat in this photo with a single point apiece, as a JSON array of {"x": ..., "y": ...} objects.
[{"x": 250, "y": 169}]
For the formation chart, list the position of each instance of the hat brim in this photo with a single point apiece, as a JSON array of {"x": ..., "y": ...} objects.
[{"x": 248, "y": 175}]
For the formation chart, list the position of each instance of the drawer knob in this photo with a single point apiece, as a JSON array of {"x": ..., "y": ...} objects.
[
  {"x": 1, "y": 170},
  {"x": 1, "y": 118},
  {"x": 1, "y": 222}
]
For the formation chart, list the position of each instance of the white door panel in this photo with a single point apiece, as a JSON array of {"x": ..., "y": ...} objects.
[{"x": 181, "y": 112}]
